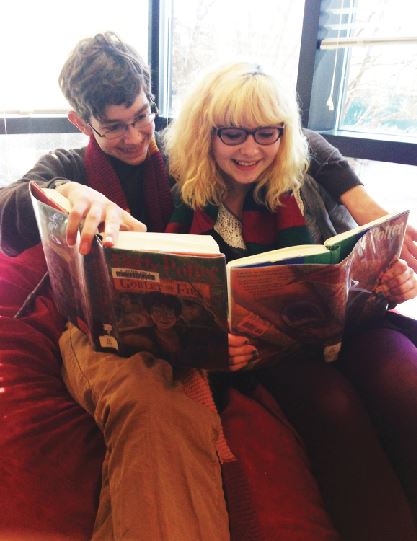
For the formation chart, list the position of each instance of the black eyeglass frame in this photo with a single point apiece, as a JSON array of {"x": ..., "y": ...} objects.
[
  {"x": 218, "y": 131},
  {"x": 154, "y": 111}
]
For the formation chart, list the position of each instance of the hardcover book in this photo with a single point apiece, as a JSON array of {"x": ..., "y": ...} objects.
[
  {"x": 175, "y": 296},
  {"x": 154, "y": 292},
  {"x": 309, "y": 295}
]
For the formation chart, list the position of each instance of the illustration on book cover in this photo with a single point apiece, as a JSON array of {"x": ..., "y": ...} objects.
[{"x": 178, "y": 315}]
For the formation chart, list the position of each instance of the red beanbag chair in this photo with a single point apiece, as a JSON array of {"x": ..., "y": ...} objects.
[
  {"x": 18, "y": 277},
  {"x": 50, "y": 449}
]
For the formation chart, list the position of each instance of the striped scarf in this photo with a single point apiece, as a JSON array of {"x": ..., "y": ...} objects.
[
  {"x": 102, "y": 177},
  {"x": 262, "y": 229}
]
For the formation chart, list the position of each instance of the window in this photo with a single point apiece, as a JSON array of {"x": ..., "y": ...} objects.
[
  {"x": 380, "y": 90},
  {"x": 35, "y": 39},
  {"x": 37, "y": 36},
  {"x": 365, "y": 77},
  {"x": 185, "y": 36},
  {"x": 206, "y": 32},
  {"x": 363, "y": 98}
]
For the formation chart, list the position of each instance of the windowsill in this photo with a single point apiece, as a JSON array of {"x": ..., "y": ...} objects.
[
  {"x": 56, "y": 113},
  {"x": 377, "y": 147},
  {"x": 36, "y": 123},
  {"x": 14, "y": 124},
  {"x": 372, "y": 136}
]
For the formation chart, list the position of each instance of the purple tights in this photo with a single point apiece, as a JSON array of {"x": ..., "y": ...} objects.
[{"x": 358, "y": 420}]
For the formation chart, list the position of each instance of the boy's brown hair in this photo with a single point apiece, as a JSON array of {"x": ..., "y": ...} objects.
[{"x": 102, "y": 71}]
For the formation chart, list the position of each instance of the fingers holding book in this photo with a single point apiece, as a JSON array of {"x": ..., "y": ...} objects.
[
  {"x": 117, "y": 220},
  {"x": 398, "y": 283},
  {"x": 88, "y": 210},
  {"x": 409, "y": 250},
  {"x": 241, "y": 352}
]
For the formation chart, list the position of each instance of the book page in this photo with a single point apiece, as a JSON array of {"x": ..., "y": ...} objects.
[
  {"x": 167, "y": 242},
  {"x": 302, "y": 252}
]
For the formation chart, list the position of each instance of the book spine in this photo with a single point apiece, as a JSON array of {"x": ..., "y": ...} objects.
[{"x": 100, "y": 301}]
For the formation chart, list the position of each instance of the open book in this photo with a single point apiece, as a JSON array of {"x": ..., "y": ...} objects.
[
  {"x": 284, "y": 300},
  {"x": 149, "y": 292},
  {"x": 309, "y": 295}
]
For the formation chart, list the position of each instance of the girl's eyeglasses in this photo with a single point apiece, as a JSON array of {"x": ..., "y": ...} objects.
[{"x": 266, "y": 135}]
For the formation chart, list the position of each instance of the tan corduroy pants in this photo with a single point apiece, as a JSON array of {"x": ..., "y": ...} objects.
[{"x": 161, "y": 477}]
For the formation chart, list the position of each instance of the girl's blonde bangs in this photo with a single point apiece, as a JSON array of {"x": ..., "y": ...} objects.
[{"x": 251, "y": 103}]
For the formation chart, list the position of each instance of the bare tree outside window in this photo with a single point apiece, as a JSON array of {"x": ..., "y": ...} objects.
[
  {"x": 207, "y": 32},
  {"x": 381, "y": 88}
]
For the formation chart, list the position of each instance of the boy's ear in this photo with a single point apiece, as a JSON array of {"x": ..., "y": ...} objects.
[{"x": 79, "y": 123}]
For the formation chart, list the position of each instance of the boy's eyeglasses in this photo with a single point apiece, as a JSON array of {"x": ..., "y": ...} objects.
[
  {"x": 267, "y": 135},
  {"x": 119, "y": 130}
]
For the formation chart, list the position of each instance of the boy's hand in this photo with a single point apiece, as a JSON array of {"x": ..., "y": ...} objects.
[
  {"x": 93, "y": 208},
  {"x": 241, "y": 352},
  {"x": 398, "y": 283}
]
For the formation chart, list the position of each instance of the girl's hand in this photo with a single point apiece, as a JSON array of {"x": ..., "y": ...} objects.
[
  {"x": 398, "y": 283},
  {"x": 94, "y": 208},
  {"x": 409, "y": 251},
  {"x": 241, "y": 352}
]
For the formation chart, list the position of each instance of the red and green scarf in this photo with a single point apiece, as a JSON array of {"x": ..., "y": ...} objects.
[
  {"x": 102, "y": 177},
  {"x": 262, "y": 229}
]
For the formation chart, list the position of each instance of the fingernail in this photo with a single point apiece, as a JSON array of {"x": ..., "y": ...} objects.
[{"x": 108, "y": 240}]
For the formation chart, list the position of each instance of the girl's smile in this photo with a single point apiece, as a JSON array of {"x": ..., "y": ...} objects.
[{"x": 244, "y": 163}]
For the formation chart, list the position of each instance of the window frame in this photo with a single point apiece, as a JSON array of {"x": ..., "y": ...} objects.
[
  {"x": 358, "y": 145},
  {"x": 355, "y": 145}
]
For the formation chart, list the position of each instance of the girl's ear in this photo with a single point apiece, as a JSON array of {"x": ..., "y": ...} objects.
[{"x": 79, "y": 123}]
